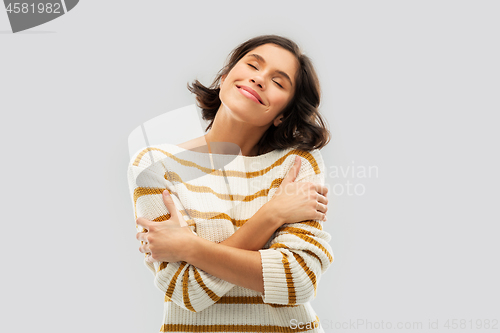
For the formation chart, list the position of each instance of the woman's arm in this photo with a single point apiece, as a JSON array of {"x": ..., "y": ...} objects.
[
  {"x": 188, "y": 287},
  {"x": 235, "y": 265},
  {"x": 291, "y": 203},
  {"x": 286, "y": 273},
  {"x": 256, "y": 232},
  {"x": 293, "y": 273}
]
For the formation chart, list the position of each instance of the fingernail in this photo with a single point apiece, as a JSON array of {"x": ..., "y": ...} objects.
[{"x": 165, "y": 193}]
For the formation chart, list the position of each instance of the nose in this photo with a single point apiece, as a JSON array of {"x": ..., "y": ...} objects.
[{"x": 258, "y": 81}]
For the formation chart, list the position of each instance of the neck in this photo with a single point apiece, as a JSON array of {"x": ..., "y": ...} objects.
[{"x": 227, "y": 129}]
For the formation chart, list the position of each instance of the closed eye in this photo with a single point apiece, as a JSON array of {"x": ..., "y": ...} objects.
[{"x": 273, "y": 81}]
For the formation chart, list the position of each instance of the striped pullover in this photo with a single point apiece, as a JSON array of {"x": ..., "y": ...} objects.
[{"x": 217, "y": 194}]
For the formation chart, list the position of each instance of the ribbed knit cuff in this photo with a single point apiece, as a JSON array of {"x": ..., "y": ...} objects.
[
  {"x": 273, "y": 271},
  {"x": 151, "y": 267}
]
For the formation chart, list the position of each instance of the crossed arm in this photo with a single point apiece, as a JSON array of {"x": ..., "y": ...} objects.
[
  {"x": 209, "y": 270},
  {"x": 235, "y": 260}
]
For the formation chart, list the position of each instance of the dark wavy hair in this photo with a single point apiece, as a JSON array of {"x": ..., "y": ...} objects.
[{"x": 302, "y": 125}]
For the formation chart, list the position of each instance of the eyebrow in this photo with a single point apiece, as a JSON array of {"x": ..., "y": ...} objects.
[{"x": 261, "y": 59}]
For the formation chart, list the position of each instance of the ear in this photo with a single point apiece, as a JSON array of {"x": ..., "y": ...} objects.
[
  {"x": 278, "y": 120},
  {"x": 222, "y": 78}
]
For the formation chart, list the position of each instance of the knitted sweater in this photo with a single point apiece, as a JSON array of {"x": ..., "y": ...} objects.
[{"x": 217, "y": 194}]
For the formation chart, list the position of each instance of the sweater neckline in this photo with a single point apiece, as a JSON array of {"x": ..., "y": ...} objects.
[{"x": 270, "y": 153}]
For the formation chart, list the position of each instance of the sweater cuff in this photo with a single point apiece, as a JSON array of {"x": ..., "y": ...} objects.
[
  {"x": 273, "y": 272},
  {"x": 151, "y": 266}
]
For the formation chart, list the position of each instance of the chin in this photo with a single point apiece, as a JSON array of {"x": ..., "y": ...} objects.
[{"x": 237, "y": 111}]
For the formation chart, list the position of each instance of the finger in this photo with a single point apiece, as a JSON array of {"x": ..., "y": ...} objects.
[
  {"x": 175, "y": 214},
  {"x": 322, "y": 199},
  {"x": 141, "y": 221},
  {"x": 320, "y": 216},
  {"x": 149, "y": 258},
  {"x": 321, "y": 208},
  {"x": 323, "y": 190},
  {"x": 169, "y": 203},
  {"x": 144, "y": 248},
  {"x": 293, "y": 172},
  {"x": 141, "y": 236}
]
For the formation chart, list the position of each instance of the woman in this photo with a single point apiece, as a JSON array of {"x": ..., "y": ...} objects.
[{"x": 240, "y": 248}]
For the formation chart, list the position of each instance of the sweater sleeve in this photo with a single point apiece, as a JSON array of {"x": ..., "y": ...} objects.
[
  {"x": 299, "y": 253},
  {"x": 184, "y": 284}
]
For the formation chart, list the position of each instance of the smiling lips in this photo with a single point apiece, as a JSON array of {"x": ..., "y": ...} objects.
[{"x": 250, "y": 93}]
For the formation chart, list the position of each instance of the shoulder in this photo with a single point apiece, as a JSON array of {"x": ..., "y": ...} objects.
[
  {"x": 312, "y": 166},
  {"x": 149, "y": 162},
  {"x": 311, "y": 161},
  {"x": 314, "y": 159},
  {"x": 150, "y": 155},
  {"x": 156, "y": 160}
]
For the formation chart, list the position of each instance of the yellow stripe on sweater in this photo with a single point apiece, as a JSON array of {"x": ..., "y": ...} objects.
[
  {"x": 292, "y": 298},
  {"x": 185, "y": 291},
  {"x": 246, "y": 300},
  {"x": 192, "y": 213},
  {"x": 309, "y": 273},
  {"x": 305, "y": 236},
  {"x": 301, "y": 262},
  {"x": 209, "y": 292},
  {"x": 198, "y": 279},
  {"x": 238, "y": 328},
  {"x": 171, "y": 286},
  {"x": 250, "y": 300},
  {"x": 231, "y": 173},
  {"x": 318, "y": 245},
  {"x": 174, "y": 177},
  {"x": 294, "y": 231}
]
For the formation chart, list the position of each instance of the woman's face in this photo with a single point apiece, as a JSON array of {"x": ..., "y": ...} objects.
[{"x": 260, "y": 85}]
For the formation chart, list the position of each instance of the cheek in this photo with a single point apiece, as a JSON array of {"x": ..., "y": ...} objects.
[
  {"x": 280, "y": 99},
  {"x": 225, "y": 86}
]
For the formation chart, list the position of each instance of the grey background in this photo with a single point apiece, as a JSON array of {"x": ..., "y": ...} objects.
[{"x": 410, "y": 87}]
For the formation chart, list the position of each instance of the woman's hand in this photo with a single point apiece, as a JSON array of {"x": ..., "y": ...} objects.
[
  {"x": 167, "y": 241},
  {"x": 299, "y": 201}
]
